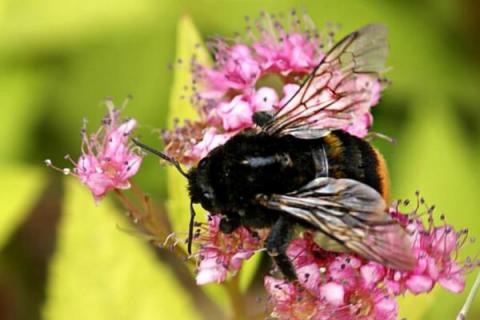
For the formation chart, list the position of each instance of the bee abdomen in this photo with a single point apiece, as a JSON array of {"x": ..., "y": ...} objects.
[{"x": 354, "y": 158}]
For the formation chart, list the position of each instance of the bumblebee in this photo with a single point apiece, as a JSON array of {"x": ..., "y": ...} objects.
[{"x": 298, "y": 169}]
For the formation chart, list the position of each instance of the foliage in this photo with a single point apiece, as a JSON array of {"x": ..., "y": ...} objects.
[{"x": 87, "y": 276}]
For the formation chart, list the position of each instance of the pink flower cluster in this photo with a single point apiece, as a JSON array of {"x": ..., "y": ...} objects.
[
  {"x": 221, "y": 253},
  {"x": 435, "y": 249},
  {"x": 262, "y": 73},
  {"x": 338, "y": 286},
  {"x": 344, "y": 286},
  {"x": 107, "y": 161},
  {"x": 334, "y": 285}
]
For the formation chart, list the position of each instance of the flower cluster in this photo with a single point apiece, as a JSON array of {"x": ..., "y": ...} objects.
[
  {"x": 260, "y": 74},
  {"x": 221, "y": 253},
  {"x": 107, "y": 161},
  {"x": 341, "y": 285},
  {"x": 344, "y": 286}
]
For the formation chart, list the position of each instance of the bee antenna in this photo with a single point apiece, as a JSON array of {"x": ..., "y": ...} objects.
[
  {"x": 190, "y": 228},
  {"x": 161, "y": 155}
]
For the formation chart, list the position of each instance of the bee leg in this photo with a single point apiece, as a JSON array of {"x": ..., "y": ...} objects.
[
  {"x": 276, "y": 245},
  {"x": 228, "y": 225}
]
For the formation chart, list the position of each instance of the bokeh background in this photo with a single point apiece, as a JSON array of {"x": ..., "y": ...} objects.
[{"x": 62, "y": 257}]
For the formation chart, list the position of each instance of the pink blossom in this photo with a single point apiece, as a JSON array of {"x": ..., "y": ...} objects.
[
  {"x": 294, "y": 53},
  {"x": 210, "y": 141},
  {"x": 289, "y": 301},
  {"x": 369, "y": 88},
  {"x": 452, "y": 277},
  {"x": 435, "y": 249},
  {"x": 332, "y": 293},
  {"x": 237, "y": 69},
  {"x": 372, "y": 273},
  {"x": 265, "y": 99},
  {"x": 288, "y": 91},
  {"x": 345, "y": 286},
  {"x": 367, "y": 303},
  {"x": 221, "y": 253},
  {"x": 345, "y": 269},
  {"x": 107, "y": 161},
  {"x": 360, "y": 125},
  {"x": 236, "y": 114},
  {"x": 418, "y": 283}
]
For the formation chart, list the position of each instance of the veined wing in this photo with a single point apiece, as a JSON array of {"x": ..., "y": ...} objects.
[
  {"x": 353, "y": 215},
  {"x": 340, "y": 87}
]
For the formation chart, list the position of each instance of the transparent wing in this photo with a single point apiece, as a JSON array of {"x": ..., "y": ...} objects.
[
  {"x": 341, "y": 84},
  {"x": 353, "y": 215}
]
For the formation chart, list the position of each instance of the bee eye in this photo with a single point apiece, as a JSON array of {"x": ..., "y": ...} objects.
[
  {"x": 202, "y": 163},
  {"x": 207, "y": 195}
]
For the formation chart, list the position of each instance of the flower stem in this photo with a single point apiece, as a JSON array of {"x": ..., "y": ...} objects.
[
  {"x": 128, "y": 204},
  {"x": 236, "y": 299},
  {"x": 148, "y": 220},
  {"x": 463, "y": 313}
]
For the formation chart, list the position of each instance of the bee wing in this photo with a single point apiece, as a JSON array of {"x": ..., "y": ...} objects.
[
  {"x": 325, "y": 101},
  {"x": 351, "y": 214}
]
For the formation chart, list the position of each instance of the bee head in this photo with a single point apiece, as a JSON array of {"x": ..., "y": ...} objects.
[
  {"x": 198, "y": 192},
  {"x": 200, "y": 189}
]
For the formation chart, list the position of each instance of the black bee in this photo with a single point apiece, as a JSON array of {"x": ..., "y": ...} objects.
[{"x": 298, "y": 169}]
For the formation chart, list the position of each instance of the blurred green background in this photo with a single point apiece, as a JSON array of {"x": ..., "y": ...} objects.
[{"x": 61, "y": 257}]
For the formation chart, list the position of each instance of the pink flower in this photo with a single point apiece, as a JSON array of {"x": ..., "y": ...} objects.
[
  {"x": 369, "y": 89},
  {"x": 366, "y": 303},
  {"x": 332, "y": 293},
  {"x": 294, "y": 52},
  {"x": 436, "y": 249},
  {"x": 418, "y": 283},
  {"x": 361, "y": 125},
  {"x": 221, "y": 253},
  {"x": 107, "y": 161},
  {"x": 236, "y": 114},
  {"x": 265, "y": 99},
  {"x": 210, "y": 141},
  {"x": 236, "y": 69},
  {"x": 288, "y": 91},
  {"x": 372, "y": 273},
  {"x": 345, "y": 286},
  {"x": 289, "y": 301}
]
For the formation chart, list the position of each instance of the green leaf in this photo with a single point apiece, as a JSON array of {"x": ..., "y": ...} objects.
[
  {"x": 433, "y": 158},
  {"x": 30, "y": 24},
  {"x": 22, "y": 89},
  {"x": 249, "y": 269},
  {"x": 102, "y": 272},
  {"x": 189, "y": 43},
  {"x": 20, "y": 189}
]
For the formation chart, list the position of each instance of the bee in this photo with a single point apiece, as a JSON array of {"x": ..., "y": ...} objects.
[{"x": 297, "y": 170}]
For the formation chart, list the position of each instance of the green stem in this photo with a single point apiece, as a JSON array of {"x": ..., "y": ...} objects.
[
  {"x": 145, "y": 219},
  {"x": 463, "y": 313}
]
